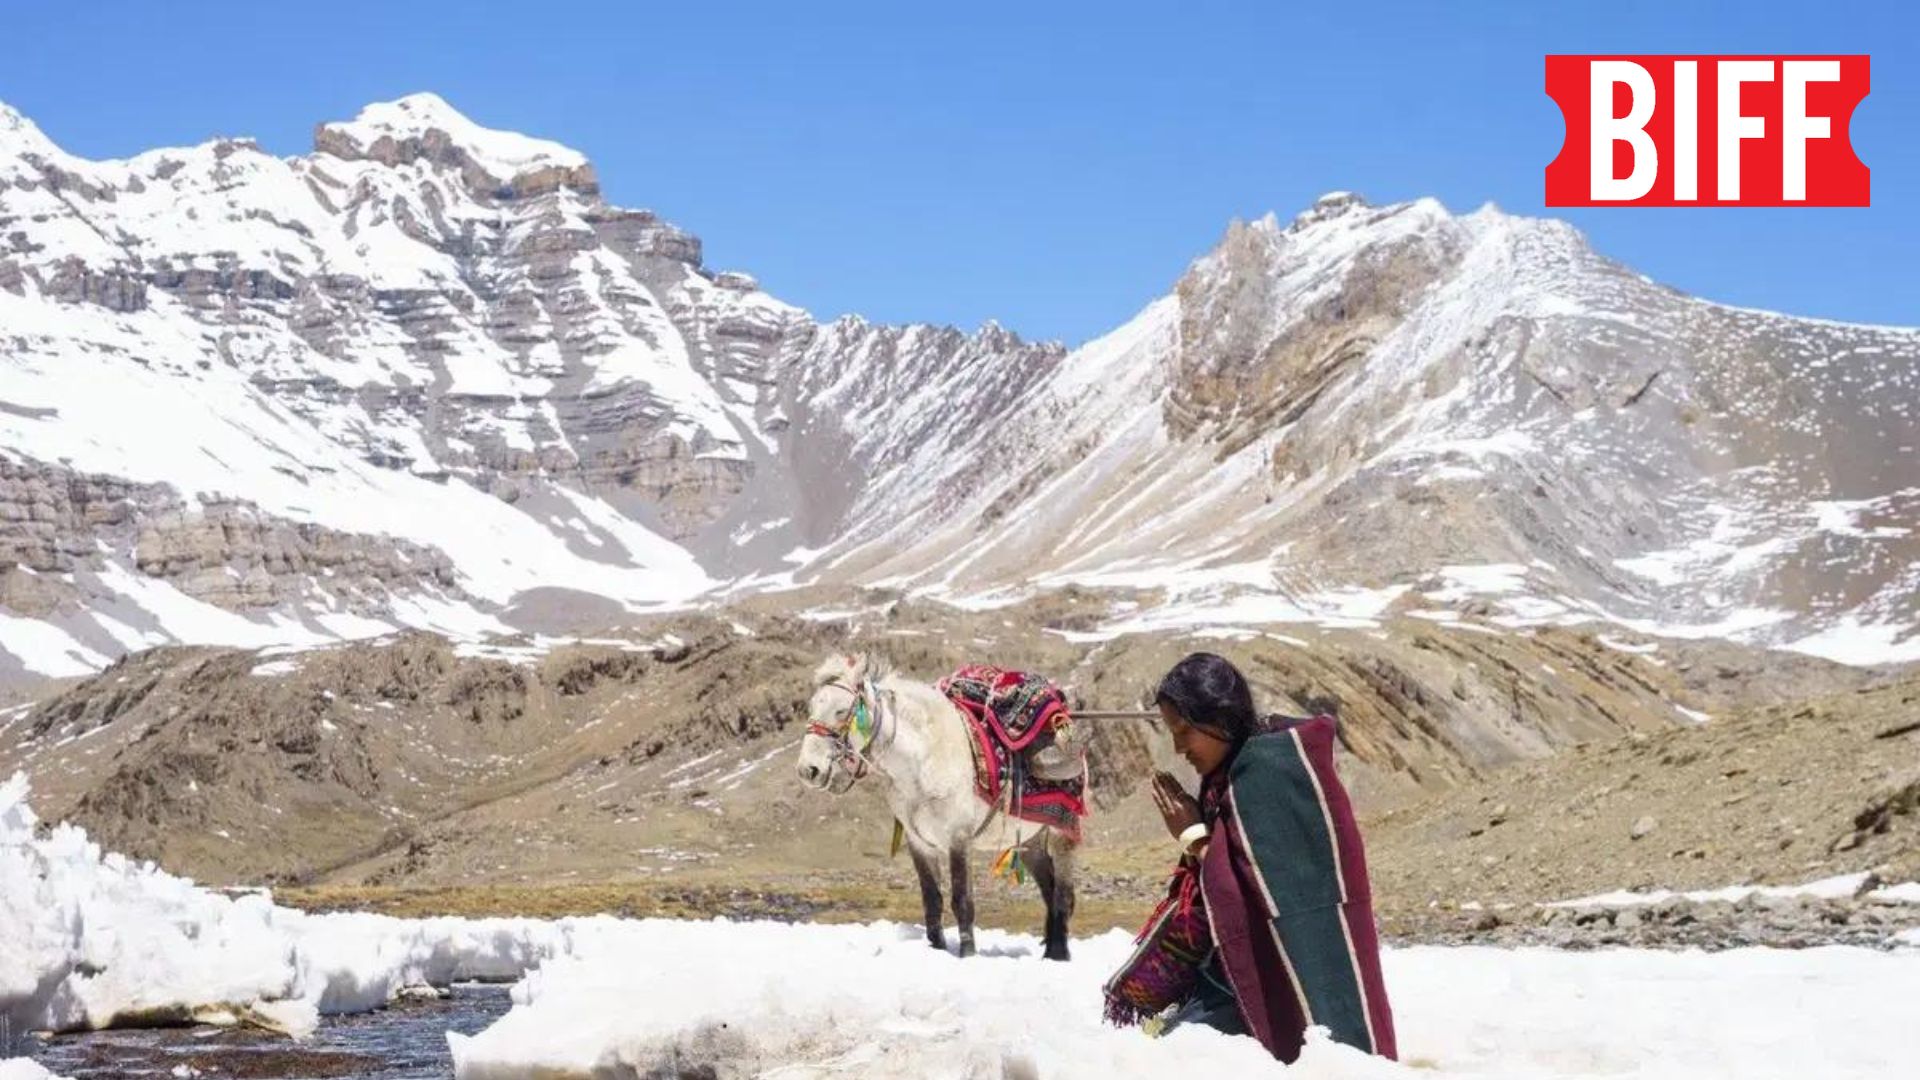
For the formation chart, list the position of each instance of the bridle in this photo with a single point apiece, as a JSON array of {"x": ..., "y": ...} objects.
[{"x": 857, "y": 731}]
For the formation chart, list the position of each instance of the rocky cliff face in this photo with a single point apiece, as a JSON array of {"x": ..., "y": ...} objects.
[
  {"x": 425, "y": 376},
  {"x": 56, "y": 525}
]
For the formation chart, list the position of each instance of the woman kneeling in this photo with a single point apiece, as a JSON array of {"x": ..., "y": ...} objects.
[{"x": 1267, "y": 928}]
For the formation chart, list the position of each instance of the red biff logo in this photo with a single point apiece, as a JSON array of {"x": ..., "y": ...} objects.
[{"x": 1707, "y": 131}]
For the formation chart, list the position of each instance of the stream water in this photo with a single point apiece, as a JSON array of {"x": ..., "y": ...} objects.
[{"x": 406, "y": 1042}]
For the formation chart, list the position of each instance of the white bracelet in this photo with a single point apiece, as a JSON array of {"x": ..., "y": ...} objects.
[{"x": 1193, "y": 832}]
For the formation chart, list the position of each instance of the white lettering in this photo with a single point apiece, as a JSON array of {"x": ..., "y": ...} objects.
[
  {"x": 1608, "y": 129},
  {"x": 1796, "y": 127},
  {"x": 1733, "y": 126},
  {"x": 1686, "y": 130}
]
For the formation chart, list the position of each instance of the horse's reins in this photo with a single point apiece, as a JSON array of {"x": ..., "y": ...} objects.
[{"x": 865, "y": 703}]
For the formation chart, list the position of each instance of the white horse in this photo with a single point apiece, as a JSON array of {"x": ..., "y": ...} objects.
[{"x": 865, "y": 718}]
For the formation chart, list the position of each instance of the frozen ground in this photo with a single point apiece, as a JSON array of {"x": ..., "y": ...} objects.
[
  {"x": 89, "y": 939},
  {"x": 813, "y": 1001}
]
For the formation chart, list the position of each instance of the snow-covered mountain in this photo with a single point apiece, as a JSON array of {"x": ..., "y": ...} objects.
[
  {"x": 1372, "y": 409},
  {"x": 427, "y": 376},
  {"x": 423, "y": 376}
]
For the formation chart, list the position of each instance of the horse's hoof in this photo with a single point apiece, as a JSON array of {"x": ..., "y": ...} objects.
[
  {"x": 1058, "y": 952},
  {"x": 966, "y": 947},
  {"x": 937, "y": 942}
]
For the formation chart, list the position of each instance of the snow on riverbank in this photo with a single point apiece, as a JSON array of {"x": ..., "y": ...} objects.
[
  {"x": 873, "y": 1001},
  {"x": 1841, "y": 887},
  {"x": 91, "y": 940}
]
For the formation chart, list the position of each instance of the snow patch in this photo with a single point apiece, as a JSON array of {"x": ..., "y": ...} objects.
[
  {"x": 1831, "y": 888},
  {"x": 1850, "y": 641},
  {"x": 45, "y": 648}
]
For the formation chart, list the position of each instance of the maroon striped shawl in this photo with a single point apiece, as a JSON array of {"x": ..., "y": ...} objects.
[{"x": 1284, "y": 884}]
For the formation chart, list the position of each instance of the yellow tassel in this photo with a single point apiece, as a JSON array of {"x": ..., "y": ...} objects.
[
  {"x": 1010, "y": 867},
  {"x": 899, "y": 836}
]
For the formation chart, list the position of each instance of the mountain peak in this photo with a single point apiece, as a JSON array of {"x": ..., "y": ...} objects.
[
  {"x": 424, "y": 103},
  {"x": 1340, "y": 200},
  {"x": 397, "y": 129},
  {"x": 1333, "y": 204},
  {"x": 19, "y": 135}
]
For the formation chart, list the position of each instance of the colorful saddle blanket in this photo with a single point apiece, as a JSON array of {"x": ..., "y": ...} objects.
[{"x": 1013, "y": 715}]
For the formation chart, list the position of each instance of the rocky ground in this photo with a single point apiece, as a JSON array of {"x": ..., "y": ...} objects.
[
  {"x": 647, "y": 770},
  {"x": 1776, "y": 922},
  {"x": 1122, "y": 901},
  {"x": 1773, "y": 795}
]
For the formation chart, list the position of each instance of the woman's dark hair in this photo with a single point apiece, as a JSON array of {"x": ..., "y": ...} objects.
[{"x": 1209, "y": 692}]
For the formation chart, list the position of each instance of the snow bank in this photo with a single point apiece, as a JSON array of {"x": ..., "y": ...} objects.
[
  {"x": 1741, "y": 1014},
  {"x": 91, "y": 940},
  {"x": 866, "y": 1000},
  {"x": 663, "y": 998}
]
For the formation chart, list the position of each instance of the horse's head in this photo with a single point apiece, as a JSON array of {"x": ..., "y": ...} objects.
[{"x": 840, "y": 722}]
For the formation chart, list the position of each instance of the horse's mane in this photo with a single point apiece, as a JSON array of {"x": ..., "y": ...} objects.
[{"x": 851, "y": 667}]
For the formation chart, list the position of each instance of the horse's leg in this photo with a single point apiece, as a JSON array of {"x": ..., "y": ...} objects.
[
  {"x": 1040, "y": 861},
  {"x": 923, "y": 868},
  {"x": 1060, "y": 860},
  {"x": 960, "y": 864}
]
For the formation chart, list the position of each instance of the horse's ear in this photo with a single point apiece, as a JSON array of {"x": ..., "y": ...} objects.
[{"x": 855, "y": 665}]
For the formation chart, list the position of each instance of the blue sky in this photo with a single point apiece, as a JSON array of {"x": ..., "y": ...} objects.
[{"x": 1053, "y": 166}]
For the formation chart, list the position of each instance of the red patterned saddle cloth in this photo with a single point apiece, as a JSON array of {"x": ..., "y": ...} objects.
[{"x": 1012, "y": 716}]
